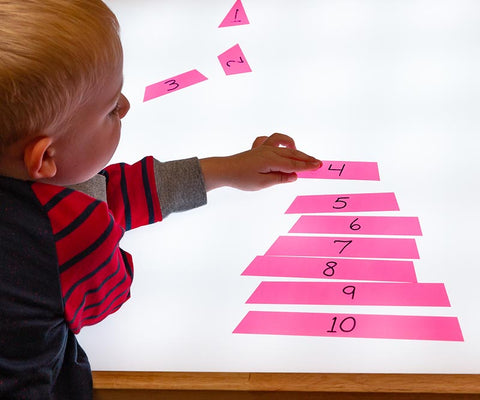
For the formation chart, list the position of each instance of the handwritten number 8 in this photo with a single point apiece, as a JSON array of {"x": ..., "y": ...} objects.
[{"x": 330, "y": 271}]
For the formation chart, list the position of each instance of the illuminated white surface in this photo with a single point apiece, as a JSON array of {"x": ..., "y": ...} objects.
[{"x": 395, "y": 82}]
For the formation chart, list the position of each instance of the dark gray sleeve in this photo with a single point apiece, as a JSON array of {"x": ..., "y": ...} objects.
[
  {"x": 180, "y": 185},
  {"x": 95, "y": 187}
]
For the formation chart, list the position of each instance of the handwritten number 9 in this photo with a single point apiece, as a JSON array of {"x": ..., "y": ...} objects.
[{"x": 349, "y": 291}]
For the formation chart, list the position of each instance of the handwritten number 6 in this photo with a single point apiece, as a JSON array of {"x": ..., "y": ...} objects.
[{"x": 354, "y": 226}]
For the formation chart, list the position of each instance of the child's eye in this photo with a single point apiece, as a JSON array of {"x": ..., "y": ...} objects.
[{"x": 115, "y": 111}]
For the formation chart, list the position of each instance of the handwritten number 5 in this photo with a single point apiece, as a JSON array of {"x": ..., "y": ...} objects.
[{"x": 341, "y": 201}]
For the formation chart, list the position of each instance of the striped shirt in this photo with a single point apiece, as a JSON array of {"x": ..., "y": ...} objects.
[{"x": 61, "y": 268}]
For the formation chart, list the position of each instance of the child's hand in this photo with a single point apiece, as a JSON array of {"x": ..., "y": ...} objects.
[{"x": 270, "y": 161}]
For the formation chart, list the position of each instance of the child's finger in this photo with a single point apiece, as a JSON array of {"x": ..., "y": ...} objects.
[
  {"x": 297, "y": 155},
  {"x": 259, "y": 141},
  {"x": 279, "y": 139}
]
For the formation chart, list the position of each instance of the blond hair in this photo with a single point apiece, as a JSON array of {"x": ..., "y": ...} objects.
[{"x": 53, "y": 53}]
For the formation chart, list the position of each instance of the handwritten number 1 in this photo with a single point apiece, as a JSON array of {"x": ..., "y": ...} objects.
[{"x": 236, "y": 15}]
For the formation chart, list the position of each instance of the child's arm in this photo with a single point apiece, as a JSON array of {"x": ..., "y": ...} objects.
[{"x": 270, "y": 161}]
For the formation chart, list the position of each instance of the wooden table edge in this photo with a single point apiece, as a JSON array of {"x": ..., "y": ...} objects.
[{"x": 289, "y": 382}]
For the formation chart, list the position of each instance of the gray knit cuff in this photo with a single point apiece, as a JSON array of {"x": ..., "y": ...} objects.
[{"x": 180, "y": 185}]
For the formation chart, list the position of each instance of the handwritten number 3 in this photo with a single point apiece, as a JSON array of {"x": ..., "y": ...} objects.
[{"x": 172, "y": 82}]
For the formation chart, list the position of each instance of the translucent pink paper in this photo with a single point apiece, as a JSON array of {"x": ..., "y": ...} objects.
[
  {"x": 351, "y": 325},
  {"x": 236, "y": 16},
  {"x": 344, "y": 247},
  {"x": 351, "y": 293},
  {"x": 409, "y": 226},
  {"x": 351, "y": 170},
  {"x": 233, "y": 61},
  {"x": 173, "y": 84},
  {"x": 343, "y": 203},
  {"x": 332, "y": 268}
]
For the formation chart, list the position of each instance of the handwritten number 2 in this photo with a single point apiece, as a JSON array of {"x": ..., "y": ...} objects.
[{"x": 234, "y": 61}]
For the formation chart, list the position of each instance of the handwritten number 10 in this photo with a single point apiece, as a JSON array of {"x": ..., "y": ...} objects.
[{"x": 347, "y": 324}]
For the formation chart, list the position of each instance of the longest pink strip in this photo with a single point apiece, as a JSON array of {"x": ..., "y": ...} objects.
[
  {"x": 173, "y": 84},
  {"x": 357, "y": 225},
  {"x": 351, "y": 325},
  {"x": 332, "y": 268},
  {"x": 351, "y": 293},
  {"x": 344, "y": 247},
  {"x": 353, "y": 170},
  {"x": 344, "y": 203}
]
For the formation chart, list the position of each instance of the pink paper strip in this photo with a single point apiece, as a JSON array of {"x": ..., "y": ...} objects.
[
  {"x": 357, "y": 225},
  {"x": 332, "y": 268},
  {"x": 344, "y": 247},
  {"x": 236, "y": 16},
  {"x": 351, "y": 293},
  {"x": 344, "y": 203},
  {"x": 352, "y": 170},
  {"x": 173, "y": 84},
  {"x": 351, "y": 325},
  {"x": 233, "y": 61}
]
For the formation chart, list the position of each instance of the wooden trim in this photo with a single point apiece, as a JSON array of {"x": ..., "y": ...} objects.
[{"x": 295, "y": 382}]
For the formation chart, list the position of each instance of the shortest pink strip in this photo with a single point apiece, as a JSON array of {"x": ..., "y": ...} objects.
[
  {"x": 173, "y": 84},
  {"x": 351, "y": 325},
  {"x": 351, "y": 170},
  {"x": 233, "y": 61},
  {"x": 332, "y": 268}
]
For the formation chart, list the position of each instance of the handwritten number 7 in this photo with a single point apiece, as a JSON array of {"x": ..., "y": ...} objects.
[{"x": 347, "y": 243}]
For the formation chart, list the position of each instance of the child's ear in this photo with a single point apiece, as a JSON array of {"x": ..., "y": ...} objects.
[{"x": 39, "y": 158}]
